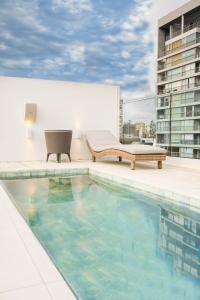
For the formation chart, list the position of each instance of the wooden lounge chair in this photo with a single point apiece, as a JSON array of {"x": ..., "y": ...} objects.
[{"x": 103, "y": 143}]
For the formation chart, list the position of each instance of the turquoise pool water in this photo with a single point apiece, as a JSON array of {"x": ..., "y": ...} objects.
[{"x": 110, "y": 243}]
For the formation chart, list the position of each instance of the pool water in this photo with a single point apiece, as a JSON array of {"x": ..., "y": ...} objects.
[{"x": 110, "y": 243}]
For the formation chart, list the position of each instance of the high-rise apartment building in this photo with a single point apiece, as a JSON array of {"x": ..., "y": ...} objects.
[{"x": 178, "y": 86}]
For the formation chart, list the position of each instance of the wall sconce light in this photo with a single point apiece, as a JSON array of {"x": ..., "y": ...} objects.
[
  {"x": 29, "y": 133},
  {"x": 30, "y": 113},
  {"x": 78, "y": 134},
  {"x": 30, "y": 118}
]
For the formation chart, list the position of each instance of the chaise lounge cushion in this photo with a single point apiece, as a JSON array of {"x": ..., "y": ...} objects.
[{"x": 100, "y": 140}]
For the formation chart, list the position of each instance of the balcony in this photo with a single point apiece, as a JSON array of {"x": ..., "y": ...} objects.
[
  {"x": 164, "y": 91},
  {"x": 195, "y": 24},
  {"x": 185, "y": 128},
  {"x": 179, "y": 48},
  {"x": 162, "y": 114},
  {"x": 163, "y": 65},
  {"x": 190, "y": 24},
  {"x": 189, "y": 73},
  {"x": 186, "y": 114},
  {"x": 189, "y": 142},
  {"x": 179, "y": 128}
]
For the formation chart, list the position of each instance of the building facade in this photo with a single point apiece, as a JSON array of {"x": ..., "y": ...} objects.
[
  {"x": 178, "y": 86},
  {"x": 121, "y": 119}
]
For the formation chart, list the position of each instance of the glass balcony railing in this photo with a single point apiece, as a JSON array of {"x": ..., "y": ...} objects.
[
  {"x": 189, "y": 142},
  {"x": 179, "y": 142},
  {"x": 191, "y": 72},
  {"x": 185, "y": 128},
  {"x": 179, "y": 48},
  {"x": 179, "y": 128},
  {"x": 178, "y": 116},
  {"x": 163, "y": 129},
  {"x": 185, "y": 115},
  {"x": 185, "y": 101},
  {"x": 162, "y": 142},
  {"x": 162, "y": 66},
  {"x": 178, "y": 88}
]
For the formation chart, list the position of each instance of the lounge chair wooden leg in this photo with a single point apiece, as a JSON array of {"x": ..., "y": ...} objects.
[
  {"x": 59, "y": 157},
  {"x": 94, "y": 158},
  {"x": 120, "y": 158},
  {"x": 132, "y": 164},
  {"x": 69, "y": 157},
  {"x": 160, "y": 164},
  {"x": 48, "y": 156}
]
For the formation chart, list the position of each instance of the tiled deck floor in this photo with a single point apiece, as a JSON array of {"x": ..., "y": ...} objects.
[{"x": 26, "y": 271}]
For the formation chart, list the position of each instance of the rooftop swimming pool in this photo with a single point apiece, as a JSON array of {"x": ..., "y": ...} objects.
[{"x": 111, "y": 243}]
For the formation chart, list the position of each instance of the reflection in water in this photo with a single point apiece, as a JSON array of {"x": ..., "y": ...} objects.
[
  {"x": 180, "y": 237},
  {"x": 33, "y": 216},
  {"x": 60, "y": 190}
]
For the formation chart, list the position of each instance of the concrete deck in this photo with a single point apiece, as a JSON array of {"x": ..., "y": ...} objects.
[{"x": 26, "y": 272}]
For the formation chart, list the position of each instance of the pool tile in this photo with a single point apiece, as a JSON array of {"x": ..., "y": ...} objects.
[
  {"x": 59, "y": 291},
  {"x": 39, "y": 292},
  {"x": 11, "y": 276}
]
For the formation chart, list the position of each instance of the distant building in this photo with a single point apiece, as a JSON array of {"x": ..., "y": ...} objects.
[
  {"x": 139, "y": 129},
  {"x": 178, "y": 87},
  {"x": 121, "y": 121}
]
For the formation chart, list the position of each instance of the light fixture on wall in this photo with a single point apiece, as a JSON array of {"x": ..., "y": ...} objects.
[
  {"x": 78, "y": 134},
  {"x": 30, "y": 118}
]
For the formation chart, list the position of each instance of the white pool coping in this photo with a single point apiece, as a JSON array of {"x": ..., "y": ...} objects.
[{"x": 26, "y": 271}]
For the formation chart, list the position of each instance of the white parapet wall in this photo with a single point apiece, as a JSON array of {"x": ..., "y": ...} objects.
[{"x": 60, "y": 105}]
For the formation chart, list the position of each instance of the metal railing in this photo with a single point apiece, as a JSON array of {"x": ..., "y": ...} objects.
[
  {"x": 177, "y": 61},
  {"x": 176, "y": 49},
  {"x": 192, "y": 26},
  {"x": 176, "y": 33}
]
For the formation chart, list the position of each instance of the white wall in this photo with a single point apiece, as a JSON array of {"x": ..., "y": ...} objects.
[{"x": 60, "y": 105}]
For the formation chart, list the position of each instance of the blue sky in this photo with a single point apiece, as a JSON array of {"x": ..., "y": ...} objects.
[{"x": 102, "y": 41}]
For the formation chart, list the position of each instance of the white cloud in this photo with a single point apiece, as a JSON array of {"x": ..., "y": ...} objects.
[
  {"x": 73, "y": 6},
  {"x": 13, "y": 63},
  {"x": 76, "y": 52},
  {"x": 3, "y": 47},
  {"x": 138, "y": 15},
  {"x": 124, "y": 80},
  {"x": 53, "y": 63},
  {"x": 123, "y": 36},
  {"x": 25, "y": 13},
  {"x": 125, "y": 54}
]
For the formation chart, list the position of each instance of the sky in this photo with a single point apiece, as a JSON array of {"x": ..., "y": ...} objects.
[{"x": 101, "y": 41}]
